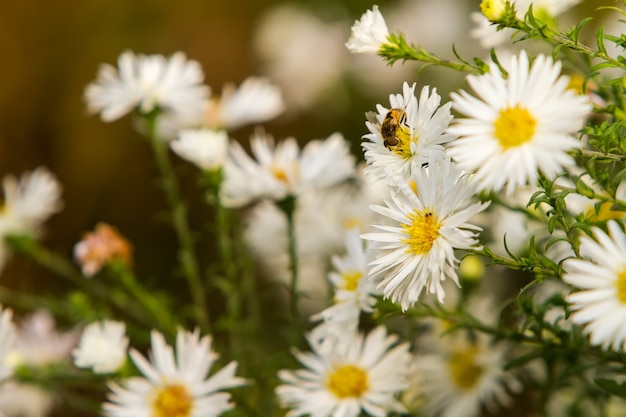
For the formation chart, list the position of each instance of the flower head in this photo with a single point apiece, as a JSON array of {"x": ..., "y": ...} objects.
[
  {"x": 206, "y": 148},
  {"x": 416, "y": 252},
  {"x": 464, "y": 375},
  {"x": 601, "y": 276},
  {"x": 102, "y": 347},
  {"x": 418, "y": 127},
  {"x": 28, "y": 202},
  {"x": 282, "y": 170},
  {"x": 174, "y": 385},
  {"x": 256, "y": 100},
  {"x": 147, "y": 82},
  {"x": 100, "y": 247},
  {"x": 369, "y": 33},
  {"x": 518, "y": 126},
  {"x": 353, "y": 291},
  {"x": 364, "y": 375}
]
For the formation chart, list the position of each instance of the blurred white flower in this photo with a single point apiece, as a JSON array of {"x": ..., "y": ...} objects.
[
  {"x": 28, "y": 202},
  {"x": 282, "y": 170},
  {"x": 7, "y": 342},
  {"x": 463, "y": 375},
  {"x": 206, "y": 148},
  {"x": 37, "y": 343},
  {"x": 353, "y": 291},
  {"x": 24, "y": 400},
  {"x": 102, "y": 347},
  {"x": 284, "y": 39},
  {"x": 369, "y": 33},
  {"x": 256, "y": 100},
  {"x": 174, "y": 384},
  {"x": 147, "y": 82},
  {"x": 364, "y": 375}
]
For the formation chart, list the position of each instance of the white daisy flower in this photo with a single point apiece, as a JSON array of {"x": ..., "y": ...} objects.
[
  {"x": 519, "y": 125},
  {"x": 174, "y": 385},
  {"x": 206, "y": 148},
  {"x": 404, "y": 137},
  {"x": 282, "y": 170},
  {"x": 256, "y": 100},
  {"x": 353, "y": 291},
  {"x": 462, "y": 376},
  {"x": 147, "y": 82},
  {"x": 544, "y": 10},
  {"x": 601, "y": 274},
  {"x": 102, "y": 347},
  {"x": 7, "y": 342},
  {"x": 28, "y": 202},
  {"x": 369, "y": 33},
  {"x": 417, "y": 250},
  {"x": 364, "y": 375}
]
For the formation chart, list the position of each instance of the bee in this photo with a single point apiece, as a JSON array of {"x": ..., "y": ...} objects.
[{"x": 393, "y": 124}]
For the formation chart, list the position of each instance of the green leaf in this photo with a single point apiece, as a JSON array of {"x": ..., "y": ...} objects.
[{"x": 612, "y": 387}]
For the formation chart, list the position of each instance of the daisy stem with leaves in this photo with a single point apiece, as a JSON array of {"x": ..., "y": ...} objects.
[
  {"x": 187, "y": 255},
  {"x": 228, "y": 281},
  {"x": 288, "y": 206}
]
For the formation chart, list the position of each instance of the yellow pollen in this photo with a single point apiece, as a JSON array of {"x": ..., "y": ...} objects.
[
  {"x": 347, "y": 381},
  {"x": 403, "y": 148},
  {"x": 423, "y": 230},
  {"x": 280, "y": 174},
  {"x": 620, "y": 286},
  {"x": 514, "y": 127},
  {"x": 172, "y": 401},
  {"x": 464, "y": 370},
  {"x": 351, "y": 222},
  {"x": 351, "y": 280}
]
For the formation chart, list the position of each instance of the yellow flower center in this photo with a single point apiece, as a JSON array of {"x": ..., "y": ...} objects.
[
  {"x": 173, "y": 400},
  {"x": 280, "y": 174},
  {"x": 514, "y": 127},
  {"x": 423, "y": 230},
  {"x": 351, "y": 280},
  {"x": 464, "y": 370},
  {"x": 605, "y": 212},
  {"x": 347, "y": 381},
  {"x": 620, "y": 286},
  {"x": 403, "y": 148}
]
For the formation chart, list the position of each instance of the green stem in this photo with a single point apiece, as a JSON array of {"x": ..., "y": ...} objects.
[
  {"x": 231, "y": 287},
  {"x": 186, "y": 254},
  {"x": 288, "y": 206},
  {"x": 153, "y": 306},
  {"x": 31, "y": 248}
]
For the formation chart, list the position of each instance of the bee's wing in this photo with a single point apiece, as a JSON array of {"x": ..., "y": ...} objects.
[{"x": 372, "y": 117}]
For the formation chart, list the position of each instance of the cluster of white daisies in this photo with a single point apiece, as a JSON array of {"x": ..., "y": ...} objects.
[{"x": 423, "y": 170}]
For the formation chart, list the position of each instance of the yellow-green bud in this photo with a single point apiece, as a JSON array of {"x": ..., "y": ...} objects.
[
  {"x": 494, "y": 10},
  {"x": 471, "y": 268}
]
